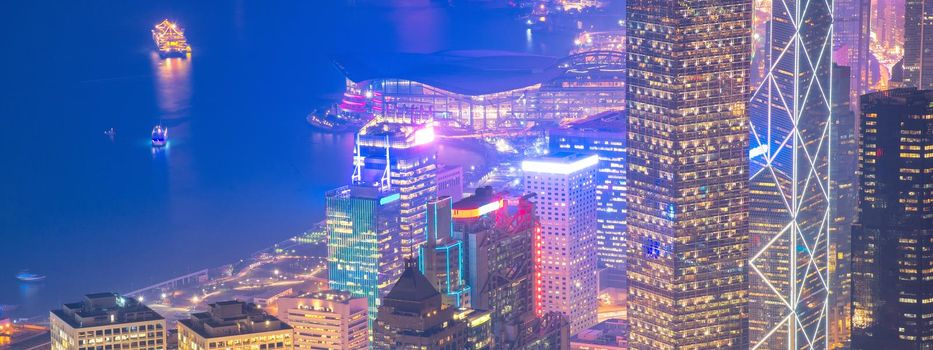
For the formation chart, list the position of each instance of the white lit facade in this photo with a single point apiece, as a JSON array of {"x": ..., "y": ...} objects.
[{"x": 564, "y": 185}]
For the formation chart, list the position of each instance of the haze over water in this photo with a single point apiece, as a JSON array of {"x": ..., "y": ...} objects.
[{"x": 243, "y": 170}]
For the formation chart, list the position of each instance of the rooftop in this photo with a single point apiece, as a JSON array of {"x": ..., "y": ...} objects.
[
  {"x": 99, "y": 309},
  {"x": 232, "y": 317},
  {"x": 562, "y": 163},
  {"x": 611, "y": 332},
  {"x": 476, "y": 72},
  {"x": 612, "y": 122}
]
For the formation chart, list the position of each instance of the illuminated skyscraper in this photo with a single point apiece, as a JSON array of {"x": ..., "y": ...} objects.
[
  {"x": 564, "y": 188},
  {"x": 498, "y": 233},
  {"x": 892, "y": 241},
  {"x": 918, "y": 44},
  {"x": 789, "y": 206},
  {"x": 688, "y": 65},
  {"x": 441, "y": 258},
  {"x": 363, "y": 249},
  {"x": 326, "y": 320},
  {"x": 851, "y": 35},
  {"x": 605, "y": 136},
  {"x": 402, "y": 157},
  {"x": 106, "y": 320}
]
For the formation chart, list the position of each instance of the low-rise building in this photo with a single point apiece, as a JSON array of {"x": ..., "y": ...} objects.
[
  {"x": 106, "y": 321},
  {"x": 233, "y": 325}
]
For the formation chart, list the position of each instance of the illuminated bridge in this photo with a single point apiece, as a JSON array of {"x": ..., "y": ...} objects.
[{"x": 481, "y": 91}]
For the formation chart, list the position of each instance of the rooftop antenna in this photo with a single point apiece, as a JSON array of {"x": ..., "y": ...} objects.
[
  {"x": 357, "y": 162},
  {"x": 386, "y": 182}
]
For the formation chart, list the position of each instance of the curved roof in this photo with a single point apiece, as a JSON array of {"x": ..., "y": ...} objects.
[{"x": 461, "y": 72}]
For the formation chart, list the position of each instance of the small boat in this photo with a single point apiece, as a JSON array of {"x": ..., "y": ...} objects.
[
  {"x": 159, "y": 136},
  {"x": 27, "y": 276},
  {"x": 110, "y": 132}
]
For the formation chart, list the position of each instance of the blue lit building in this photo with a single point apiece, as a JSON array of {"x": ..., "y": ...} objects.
[
  {"x": 440, "y": 259},
  {"x": 603, "y": 135},
  {"x": 404, "y": 158},
  {"x": 363, "y": 252}
]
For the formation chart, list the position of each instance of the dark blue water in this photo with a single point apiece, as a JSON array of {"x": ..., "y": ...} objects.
[{"x": 242, "y": 171}]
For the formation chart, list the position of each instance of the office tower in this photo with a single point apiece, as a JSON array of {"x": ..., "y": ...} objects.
[
  {"x": 851, "y": 35},
  {"x": 918, "y": 44},
  {"x": 498, "y": 233},
  {"x": 789, "y": 203},
  {"x": 564, "y": 187},
  {"x": 450, "y": 182},
  {"x": 892, "y": 240},
  {"x": 331, "y": 319},
  {"x": 106, "y": 320},
  {"x": 604, "y": 135},
  {"x": 401, "y": 157},
  {"x": 843, "y": 206},
  {"x": 441, "y": 257},
  {"x": 233, "y": 324},
  {"x": 478, "y": 328},
  {"x": 412, "y": 317},
  {"x": 611, "y": 334},
  {"x": 549, "y": 332},
  {"x": 363, "y": 247},
  {"x": 687, "y": 175}
]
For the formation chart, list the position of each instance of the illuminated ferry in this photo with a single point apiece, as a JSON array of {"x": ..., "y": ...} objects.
[
  {"x": 170, "y": 40},
  {"x": 27, "y": 276},
  {"x": 159, "y": 136}
]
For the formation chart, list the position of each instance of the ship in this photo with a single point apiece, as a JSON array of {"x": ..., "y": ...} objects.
[
  {"x": 159, "y": 136},
  {"x": 170, "y": 40},
  {"x": 27, "y": 276}
]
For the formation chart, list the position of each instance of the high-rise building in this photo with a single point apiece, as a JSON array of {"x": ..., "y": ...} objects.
[
  {"x": 851, "y": 37},
  {"x": 564, "y": 187},
  {"x": 441, "y": 257},
  {"x": 918, "y": 44},
  {"x": 233, "y": 324},
  {"x": 106, "y": 321},
  {"x": 611, "y": 334},
  {"x": 892, "y": 240},
  {"x": 688, "y": 77},
  {"x": 498, "y": 233},
  {"x": 412, "y": 317},
  {"x": 789, "y": 203},
  {"x": 401, "y": 157},
  {"x": 843, "y": 206},
  {"x": 364, "y": 255},
  {"x": 551, "y": 331},
  {"x": 450, "y": 182},
  {"x": 478, "y": 328},
  {"x": 604, "y": 135},
  {"x": 331, "y": 320}
]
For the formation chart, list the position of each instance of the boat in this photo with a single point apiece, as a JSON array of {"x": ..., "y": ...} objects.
[
  {"x": 159, "y": 136},
  {"x": 27, "y": 276},
  {"x": 170, "y": 40},
  {"x": 110, "y": 132}
]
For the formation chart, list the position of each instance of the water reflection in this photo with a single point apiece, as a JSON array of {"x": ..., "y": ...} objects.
[{"x": 173, "y": 85}]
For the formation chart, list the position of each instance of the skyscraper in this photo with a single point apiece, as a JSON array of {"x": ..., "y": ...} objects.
[
  {"x": 106, "y": 320},
  {"x": 688, "y": 64},
  {"x": 498, "y": 233},
  {"x": 331, "y": 320},
  {"x": 441, "y": 257},
  {"x": 363, "y": 249},
  {"x": 412, "y": 317},
  {"x": 604, "y": 135},
  {"x": 892, "y": 240},
  {"x": 851, "y": 36},
  {"x": 564, "y": 187},
  {"x": 918, "y": 44},
  {"x": 402, "y": 157},
  {"x": 789, "y": 203}
]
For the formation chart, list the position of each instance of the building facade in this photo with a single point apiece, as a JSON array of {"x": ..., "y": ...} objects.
[
  {"x": 892, "y": 240},
  {"x": 441, "y": 258},
  {"x": 851, "y": 37},
  {"x": 603, "y": 135},
  {"x": 918, "y": 44},
  {"x": 790, "y": 191},
  {"x": 331, "y": 320},
  {"x": 234, "y": 325},
  {"x": 687, "y": 258},
  {"x": 564, "y": 188},
  {"x": 364, "y": 253},
  {"x": 402, "y": 157},
  {"x": 106, "y": 321},
  {"x": 498, "y": 233},
  {"x": 413, "y": 317},
  {"x": 450, "y": 182}
]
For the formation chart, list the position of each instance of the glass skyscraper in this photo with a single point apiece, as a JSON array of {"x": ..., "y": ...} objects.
[
  {"x": 918, "y": 44},
  {"x": 688, "y": 78},
  {"x": 441, "y": 258},
  {"x": 790, "y": 114},
  {"x": 363, "y": 250}
]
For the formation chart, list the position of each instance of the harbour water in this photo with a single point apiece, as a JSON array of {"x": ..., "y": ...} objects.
[{"x": 242, "y": 169}]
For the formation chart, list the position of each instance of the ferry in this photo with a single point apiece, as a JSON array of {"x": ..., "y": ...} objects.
[
  {"x": 159, "y": 136},
  {"x": 170, "y": 40},
  {"x": 27, "y": 276}
]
